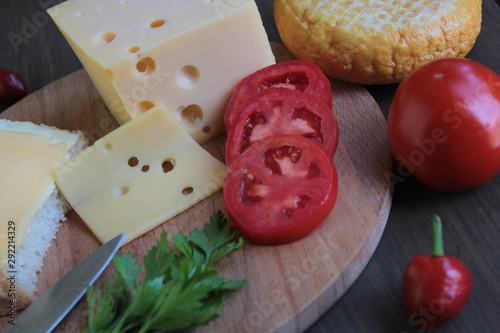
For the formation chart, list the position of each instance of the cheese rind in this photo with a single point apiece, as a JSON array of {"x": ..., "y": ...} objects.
[
  {"x": 187, "y": 55},
  {"x": 138, "y": 176},
  {"x": 26, "y": 180}
]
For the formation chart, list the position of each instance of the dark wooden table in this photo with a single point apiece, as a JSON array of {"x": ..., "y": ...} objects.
[{"x": 31, "y": 45}]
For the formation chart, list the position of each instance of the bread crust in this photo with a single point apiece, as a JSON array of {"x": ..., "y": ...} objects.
[
  {"x": 12, "y": 299},
  {"x": 18, "y": 283},
  {"x": 377, "y": 41}
]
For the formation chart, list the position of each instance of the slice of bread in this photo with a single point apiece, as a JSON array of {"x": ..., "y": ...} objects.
[
  {"x": 43, "y": 228},
  {"x": 376, "y": 41}
]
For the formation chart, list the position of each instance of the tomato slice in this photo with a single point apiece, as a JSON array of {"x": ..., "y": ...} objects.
[
  {"x": 301, "y": 75},
  {"x": 280, "y": 189},
  {"x": 282, "y": 111}
]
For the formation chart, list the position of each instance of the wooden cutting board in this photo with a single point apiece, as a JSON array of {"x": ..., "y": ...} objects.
[{"x": 289, "y": 286}]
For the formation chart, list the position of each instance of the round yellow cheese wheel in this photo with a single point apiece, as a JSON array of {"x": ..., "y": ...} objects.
[{"x": 376, "y": 41}]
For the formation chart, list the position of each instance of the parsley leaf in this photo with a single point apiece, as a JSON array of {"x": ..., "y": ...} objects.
[{"x": 180, "y": 290}]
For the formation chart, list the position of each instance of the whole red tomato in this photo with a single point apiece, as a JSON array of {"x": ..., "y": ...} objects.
[{"x": 444, "y": 124}]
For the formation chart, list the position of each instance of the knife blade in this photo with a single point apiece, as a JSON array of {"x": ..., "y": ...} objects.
[{"x": 53, "y": 305}]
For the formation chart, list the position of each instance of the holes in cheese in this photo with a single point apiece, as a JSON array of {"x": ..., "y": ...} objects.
[
  {"x": 157, "y": 24},
  {"x": 146, "y": 66},
  {"x": 188, "y": 76},
  {"x": 107, "y": 38},
  {"x": 191, "y": 115},
  {"x": 168, "y": 165},
  {"x": 133, "y": 162},
  {"x": 187, "y": 190},
  {"x": 122, "y": 190},
  {"x": 107, "y": 147},
  {"x": 134, "y": 49},
  {"x": 143, "y": 107}
]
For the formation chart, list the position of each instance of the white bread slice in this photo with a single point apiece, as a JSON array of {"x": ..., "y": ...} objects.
[{"x": 43, "y": 228}]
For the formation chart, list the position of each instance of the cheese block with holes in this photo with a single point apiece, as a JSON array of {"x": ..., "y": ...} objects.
[
  {"x": 187, "y": 55},
  {"x": 138, "y": 176}
]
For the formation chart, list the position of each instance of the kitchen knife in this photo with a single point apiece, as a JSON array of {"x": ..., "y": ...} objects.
[{"x": 49, "y": 309}]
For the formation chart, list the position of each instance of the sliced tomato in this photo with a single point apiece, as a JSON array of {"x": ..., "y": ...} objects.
[
  {"x": 301, "y": 75},
  {"x": 282, "y": 111},
  {"x": 280, "y": 189}
]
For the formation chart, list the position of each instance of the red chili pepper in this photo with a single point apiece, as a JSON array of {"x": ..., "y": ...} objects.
[
  {"x": 435, "y": 287},
  {"x": 12, "y": 87}
]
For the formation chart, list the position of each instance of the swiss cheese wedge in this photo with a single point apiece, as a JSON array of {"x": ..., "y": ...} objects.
[{"x": 187, "y": 55}]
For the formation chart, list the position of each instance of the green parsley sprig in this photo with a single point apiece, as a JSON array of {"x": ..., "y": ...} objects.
[{"x": 180, "y": 289}]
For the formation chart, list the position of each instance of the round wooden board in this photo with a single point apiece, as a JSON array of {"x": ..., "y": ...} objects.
[{"x": 289, "y": 286}]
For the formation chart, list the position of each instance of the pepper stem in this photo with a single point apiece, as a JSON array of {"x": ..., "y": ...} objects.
[{"x": 438, "y": 249}]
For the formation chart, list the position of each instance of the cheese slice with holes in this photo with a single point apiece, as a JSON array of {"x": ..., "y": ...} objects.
[
  {"x": 26, "y": 180},
  {"x": 185, "y": 54},
  {"x": 138, "y": 176}
]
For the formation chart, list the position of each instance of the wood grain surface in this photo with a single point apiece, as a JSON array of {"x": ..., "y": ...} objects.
[
  {"x": 31, "y": 45},
  {"x": 289, "y": 286}
]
